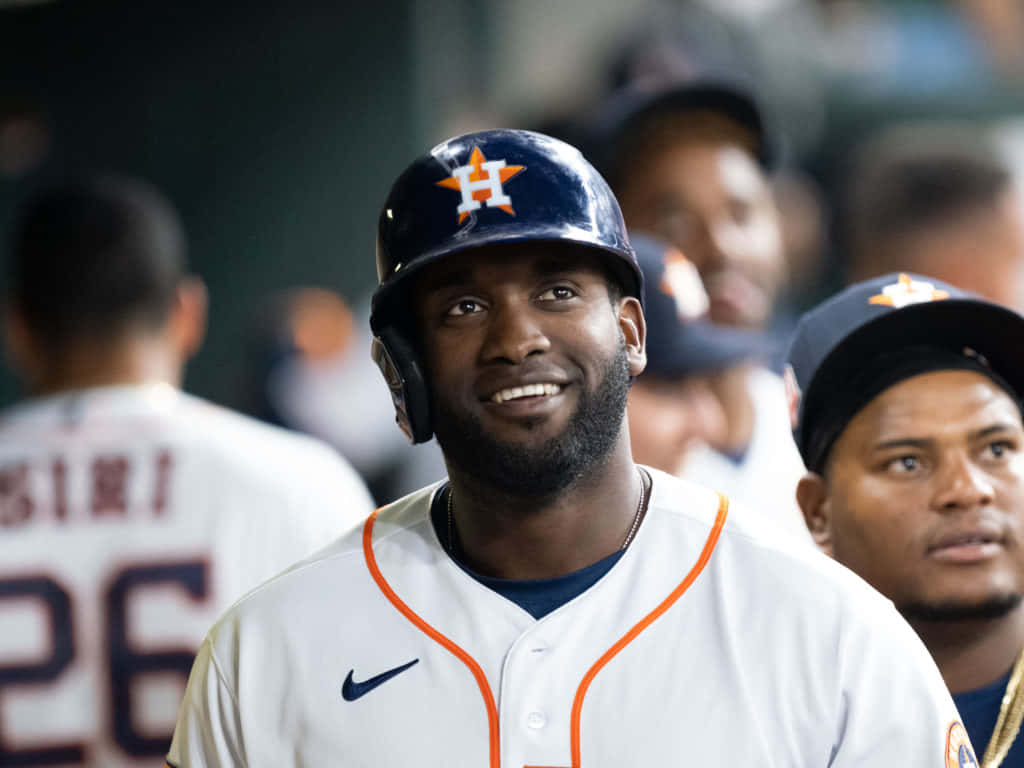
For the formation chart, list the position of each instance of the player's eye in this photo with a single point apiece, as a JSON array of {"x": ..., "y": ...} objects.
[
  {"x": 902, "y": 465},
  {"x": 677, "y": 227},
  {"x": 557, "y": 293},
  {"x": 1000, "y": 449},
  {"x": 465, "y": 306}
]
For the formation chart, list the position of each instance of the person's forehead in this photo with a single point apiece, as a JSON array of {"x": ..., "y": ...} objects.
[
  {"x": 700, "y": 168},
  {"x": 946, "y": 404},
  {"x": 502, "y": 261}
]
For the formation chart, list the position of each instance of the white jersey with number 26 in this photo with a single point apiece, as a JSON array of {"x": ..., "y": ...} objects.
[
  {"x": 712, "y": 642},
  {"x": 130, "y": 519}
]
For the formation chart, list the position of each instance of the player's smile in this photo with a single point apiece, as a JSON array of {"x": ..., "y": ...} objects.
[
  {"x": 525, "y": 392},
  {"x": 527, "y": 395},
  {"x": 529, "y": 401}
]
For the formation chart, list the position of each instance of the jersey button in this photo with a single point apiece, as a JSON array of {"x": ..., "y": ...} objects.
[{"x": 536, "y": 720}]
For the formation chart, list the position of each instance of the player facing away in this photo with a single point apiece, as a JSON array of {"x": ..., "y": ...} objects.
[
  {"x": 552, "y": 603},
  {"x": 910, "y": 423},
  {"x": 131, "y": 514}
]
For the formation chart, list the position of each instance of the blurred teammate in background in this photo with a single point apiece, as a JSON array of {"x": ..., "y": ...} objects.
[
  {"x": 910, "y": 424},
  {"x": 315, "y": 374},
  {"x": 672, "y": 407},
  {"x": 938, "y": 201},
  {"x": 688, "y": 163},
  {"x": 131, "y": 514}
]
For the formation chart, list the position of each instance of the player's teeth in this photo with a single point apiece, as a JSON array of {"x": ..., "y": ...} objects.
[{"x": 529, "y": 390}]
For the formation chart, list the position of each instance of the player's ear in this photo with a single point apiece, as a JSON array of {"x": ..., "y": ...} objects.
[
  {"x": 634, "y": 331},
  {"x": 188, "y": 316},
  {"x": 812, "y": 496}
]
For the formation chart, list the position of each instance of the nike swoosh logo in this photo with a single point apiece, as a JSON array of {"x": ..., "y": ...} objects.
[{"x": 351, "y": 690}]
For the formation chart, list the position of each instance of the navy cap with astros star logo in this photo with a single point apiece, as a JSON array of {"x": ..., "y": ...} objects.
[
  {"x": 849, "y": 349},
  {"x": 681, "y": 341}
]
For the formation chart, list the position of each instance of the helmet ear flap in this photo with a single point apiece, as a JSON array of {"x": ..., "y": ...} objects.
[{"x": 396, "y": 359}]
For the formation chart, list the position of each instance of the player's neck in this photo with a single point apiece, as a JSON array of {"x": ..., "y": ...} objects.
[
  {"x": 125, "y": 362},
  {"x": 522, "y": 538},
  {"x": 972, "y": 654}
]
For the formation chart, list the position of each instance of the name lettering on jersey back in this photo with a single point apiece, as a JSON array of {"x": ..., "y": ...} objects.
[{"x": 40, "y": 490}]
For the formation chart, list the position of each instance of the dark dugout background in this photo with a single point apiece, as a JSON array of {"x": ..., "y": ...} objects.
[{"x": 274, "y": 128}]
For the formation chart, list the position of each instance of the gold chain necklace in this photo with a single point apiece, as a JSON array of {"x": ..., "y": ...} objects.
[
  {"x": 1011, "y": 712},
  {"x": 640, "y": 509}
]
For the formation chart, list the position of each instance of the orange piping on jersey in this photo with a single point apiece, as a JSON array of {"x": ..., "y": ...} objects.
[
  {"x": 626, "y": 639},
  {"x": 451, "y": 647}
]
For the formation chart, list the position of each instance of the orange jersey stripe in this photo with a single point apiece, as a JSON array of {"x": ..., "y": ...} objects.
[
  {"x": 449, "y": 645},
  {"x": 626, "y": 639},
  {"x": 485, "y": 689}
]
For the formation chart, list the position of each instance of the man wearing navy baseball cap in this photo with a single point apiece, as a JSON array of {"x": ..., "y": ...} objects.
[
  {"x": 689, "y": 163},
  {"x": 905, "y": 398},
  {"x": 671, "y": 405}
]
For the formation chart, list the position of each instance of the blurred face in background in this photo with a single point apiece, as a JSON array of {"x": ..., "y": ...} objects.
[
  {"x": 668, "y": 416},
  {"x": 709, "y": 198},
  {"x": 981, "y": 251}
]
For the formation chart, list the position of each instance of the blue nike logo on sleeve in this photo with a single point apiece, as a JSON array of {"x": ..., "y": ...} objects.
[{"x": 351, "y": 690}]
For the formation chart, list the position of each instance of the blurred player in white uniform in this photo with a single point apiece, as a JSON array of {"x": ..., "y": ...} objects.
[
  {"x": 553, "y": 603},
  {"x": 131, "y": 514},
  {"x": 689, "y": 163}
]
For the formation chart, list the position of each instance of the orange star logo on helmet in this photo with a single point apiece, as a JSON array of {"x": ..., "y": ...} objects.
[
  {"x": 907, "y": 291},
  {"x": 480, "y": 181}
]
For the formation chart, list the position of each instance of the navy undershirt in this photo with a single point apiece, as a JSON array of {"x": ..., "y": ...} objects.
[
  {"x": 980, "y": 710},
  {"x": 538, "y": 597}
]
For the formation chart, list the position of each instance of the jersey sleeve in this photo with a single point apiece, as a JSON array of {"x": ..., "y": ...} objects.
[
  {"x": 208, "y": 731},
  {"x": 895, "y": 708}
]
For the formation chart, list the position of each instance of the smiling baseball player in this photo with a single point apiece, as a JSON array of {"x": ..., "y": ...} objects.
[{"x": 552, "y": 603}]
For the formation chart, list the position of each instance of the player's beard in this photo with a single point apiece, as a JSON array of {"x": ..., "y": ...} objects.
[
  {"x": 536, "y": 470},
  {"x": 953, "y": 611}
]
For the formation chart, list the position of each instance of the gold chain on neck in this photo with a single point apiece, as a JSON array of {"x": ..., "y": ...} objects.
[{"x": 1011, "y": 712}]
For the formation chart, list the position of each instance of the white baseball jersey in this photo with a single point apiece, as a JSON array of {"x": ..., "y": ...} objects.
[
  {"x": 765, "y": 479},
  {"x": 130, "y": 519},
  {"x": 712, "y": 642}
]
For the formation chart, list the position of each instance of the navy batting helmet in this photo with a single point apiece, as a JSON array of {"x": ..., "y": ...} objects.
[{"x": 497, "y": 186}]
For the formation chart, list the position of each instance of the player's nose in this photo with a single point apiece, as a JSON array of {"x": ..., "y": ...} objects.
[
  {"x": 513, "y": 333},
  {"x": 961, "y": 484}
]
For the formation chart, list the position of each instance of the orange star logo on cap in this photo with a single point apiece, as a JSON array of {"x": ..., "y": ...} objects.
[
  {"x": 907, "y": 291},
  {"x": 681, "y": 281},
  {"x": 480, "y": 181}
]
